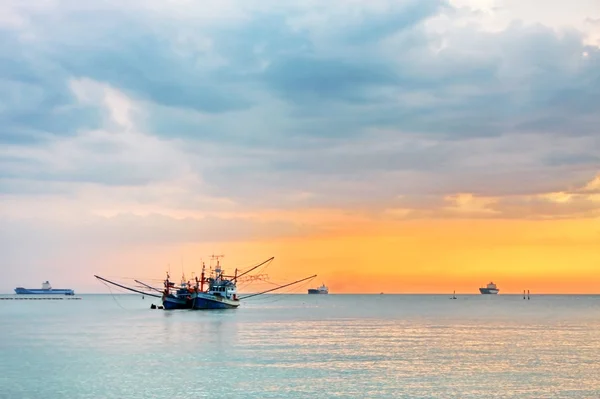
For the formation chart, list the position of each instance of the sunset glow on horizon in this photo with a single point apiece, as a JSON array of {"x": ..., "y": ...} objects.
[{"x": 396, "y": 147}]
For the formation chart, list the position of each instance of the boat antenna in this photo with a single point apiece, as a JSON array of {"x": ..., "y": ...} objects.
[
  {"x": 253, "y": 268},
  {"x": 218, "y": 269}
]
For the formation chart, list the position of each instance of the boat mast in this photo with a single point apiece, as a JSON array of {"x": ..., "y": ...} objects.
[
  {"x": 167, "y": 283},
  {"x": 202, "y": 278},
  {"x": 218, "y": 270}
]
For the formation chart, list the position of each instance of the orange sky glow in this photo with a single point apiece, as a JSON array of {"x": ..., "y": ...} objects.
[{"x": 421, "y": 256}]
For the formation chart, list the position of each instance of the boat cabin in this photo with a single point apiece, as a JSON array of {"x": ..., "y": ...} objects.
[{"x": 222, "y": 288}]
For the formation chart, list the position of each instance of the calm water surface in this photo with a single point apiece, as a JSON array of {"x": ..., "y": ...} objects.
[{"x": 292, "y": 346}]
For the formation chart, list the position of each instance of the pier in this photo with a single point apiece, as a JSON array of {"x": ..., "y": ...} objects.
[{"x": 32, "y": 298}]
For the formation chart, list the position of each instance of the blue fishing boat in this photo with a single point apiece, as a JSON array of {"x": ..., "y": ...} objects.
[
  {"x": 221, "y": 292},
  {"x": 180, "y": 298},
  {"x": 45, "y": 290}
]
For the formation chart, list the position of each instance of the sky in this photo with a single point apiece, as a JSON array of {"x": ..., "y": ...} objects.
[{"x": 387, "y": 146}]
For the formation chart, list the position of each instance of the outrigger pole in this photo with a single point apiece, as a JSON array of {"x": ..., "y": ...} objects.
[
  {"x": 127, "y": 288},
  {"x": 280, "y": 287},
  {"x": 148, "y": 286}
]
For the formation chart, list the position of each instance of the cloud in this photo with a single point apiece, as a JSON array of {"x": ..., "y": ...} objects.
[
  {"x": 344, "y": 71},
  {"x": 115, "y": 155},
  {"x": 579, "y": 202},
  {"x": 551, "y": 206},
  {"x": 467, "y": 203},
  {"x": 593, "y": 186},
  {"x": 229, "y": 107}
]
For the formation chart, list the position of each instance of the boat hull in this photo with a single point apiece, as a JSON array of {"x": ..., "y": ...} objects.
[
  {"x": 172, "y": 303},
  {"x": 27, "y": 291},
  {"x": 314, "y": 291},
  {"x": 207, "y": 302},
  {"x": 486, "y": 291}
]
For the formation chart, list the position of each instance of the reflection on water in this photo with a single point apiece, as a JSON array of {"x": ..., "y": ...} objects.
[{"x": 303, "y": 346}]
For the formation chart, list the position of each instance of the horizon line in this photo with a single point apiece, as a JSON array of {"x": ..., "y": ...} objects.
[{"x": 353, "y": 293}]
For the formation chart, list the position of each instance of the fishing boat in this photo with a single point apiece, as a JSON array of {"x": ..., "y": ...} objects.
[
  {"x": 489, "y": 289},
  {"x": 320, "y": 290},
  {"x": 220, "y": 291},
  {"x": 180, "y": 298},
  {"x": 45, "y": 290}
]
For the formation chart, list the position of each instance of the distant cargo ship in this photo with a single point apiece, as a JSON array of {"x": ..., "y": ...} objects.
[
  {"x": 490, "y": 289},
  {"x": 321, "y": 290},
  {"x": 45, "y": 290}
]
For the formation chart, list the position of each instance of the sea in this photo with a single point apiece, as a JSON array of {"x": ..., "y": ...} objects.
[{"x": 303, "y": 346}]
